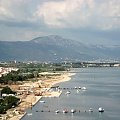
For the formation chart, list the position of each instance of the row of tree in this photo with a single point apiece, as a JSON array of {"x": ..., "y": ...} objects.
[{"x": 14, "y": 77}]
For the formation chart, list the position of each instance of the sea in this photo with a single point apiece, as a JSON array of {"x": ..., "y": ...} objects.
[{"x": 102, "y": 90}]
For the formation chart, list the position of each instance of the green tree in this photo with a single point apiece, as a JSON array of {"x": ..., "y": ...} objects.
[
  {"x": 7, "y": 90},
  {"x": 2, "y": 109},
  {"x": 11, "y": 101}
]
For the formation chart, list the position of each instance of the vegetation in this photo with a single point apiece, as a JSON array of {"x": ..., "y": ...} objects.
[
  {"x": 29, "y": 70},
  {"x": 13, "y": 77},
  {"x": 8, "y": 101},
  {"x": 7, "y": 90},
  {"x": 59, "y": 69}
]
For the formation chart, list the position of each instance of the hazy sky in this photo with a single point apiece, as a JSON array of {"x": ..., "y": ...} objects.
[{"x": 89, "y": 21}]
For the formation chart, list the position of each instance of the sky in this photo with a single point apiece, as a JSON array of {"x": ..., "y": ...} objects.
[{"x": 87, "y": 21}]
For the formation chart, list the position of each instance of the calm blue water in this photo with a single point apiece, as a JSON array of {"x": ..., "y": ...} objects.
[{"x": 103, "y": 90}]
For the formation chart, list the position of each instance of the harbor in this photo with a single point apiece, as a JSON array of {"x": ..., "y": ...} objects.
[{"x": 85, "y": 104}]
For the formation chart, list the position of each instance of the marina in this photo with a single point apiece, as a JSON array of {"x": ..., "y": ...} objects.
[
  {"x": 68, "y": 111},
  {"x": 86, "y": 104}
]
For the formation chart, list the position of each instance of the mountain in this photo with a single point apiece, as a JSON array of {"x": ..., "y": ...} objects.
[{"x": 54, "y": 48}]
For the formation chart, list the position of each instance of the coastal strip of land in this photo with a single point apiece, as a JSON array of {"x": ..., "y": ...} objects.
[{"x": 32, "y": 92}]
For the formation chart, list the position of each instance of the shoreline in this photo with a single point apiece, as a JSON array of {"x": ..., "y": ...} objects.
[{"x": 32, "y": 99}]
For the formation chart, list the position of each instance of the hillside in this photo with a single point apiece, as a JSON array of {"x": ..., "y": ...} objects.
[{"x": 54, "y": 48}]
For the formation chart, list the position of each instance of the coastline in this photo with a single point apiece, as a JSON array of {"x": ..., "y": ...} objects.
[{"x": 32, "y": 99}]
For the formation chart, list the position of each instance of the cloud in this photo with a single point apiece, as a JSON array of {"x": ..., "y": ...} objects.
[
  {"x": 16, "y": 10},
  {"x": 102, "y": 14},
  {"x": 5, "y": 13},
  {"x": 15, "y": 34},
  {"x": 25, "y": 19}
]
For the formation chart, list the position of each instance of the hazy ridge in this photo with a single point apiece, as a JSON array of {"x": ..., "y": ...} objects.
[{"x": 55, "y": 48}]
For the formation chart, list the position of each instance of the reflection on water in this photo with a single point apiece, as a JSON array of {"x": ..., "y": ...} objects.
[{"x": 103, "y": 90}]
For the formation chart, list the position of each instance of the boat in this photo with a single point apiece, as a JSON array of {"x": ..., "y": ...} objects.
[
  {"x": 84, "y": 88},
  {"x": 29, "y": 114},
  {"x": 79, "y": 87},
  {"x": 68, "y": 92},
  {"x": 73, "y": 110},
  {"x": 90, "y": 110},
  {"x": 65, "y": 111},
  {"x": 41, "y": 101},
  {"x": 78, "y": 91},
  {"x": 57, "y": 111},
  {"x": 101, "y": 109},
  {"x": 75, "y": 87}
]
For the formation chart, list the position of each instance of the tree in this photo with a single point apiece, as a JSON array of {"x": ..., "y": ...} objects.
[
  {"x": 7, "y": 90},
  {"x": 2, "y": 109},
  {"x": 7, "y": 103},
  {"x": 11, "y": 101}
]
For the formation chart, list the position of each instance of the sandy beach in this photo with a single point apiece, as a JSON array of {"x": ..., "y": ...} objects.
[{"x": 32, "y": 92}]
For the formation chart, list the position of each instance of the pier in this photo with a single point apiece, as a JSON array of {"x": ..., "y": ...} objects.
[
  {"x": 68, "y": 88},
  {"x": 68, "y": 111}
]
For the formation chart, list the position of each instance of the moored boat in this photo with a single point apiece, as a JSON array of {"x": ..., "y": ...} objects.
[
  {"x": 65, "y": 111},
  {"x": 68, "y": 92},
  {"x": 29, "y": 114},
  {"x": 90, "y": 110},
  {"x": 101, "y": 109},
  {"x": 41, "y": 101},
  {"x": 75, "y": 87},
  {"x": 57, "y": 111},
  {"x": 79, "y": 87},
  {"x": 73, "y": 110},
  {"x": 78, "y": 91},
  {"x": 84, "y": 88}
]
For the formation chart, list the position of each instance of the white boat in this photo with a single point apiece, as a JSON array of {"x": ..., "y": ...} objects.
[
  {"x": 78, "y": 91},
  {"x": 84, "y": 88},
  {"x": 101, "y": 109},
  {"x": 29, "y": 114},
  {"x": 57, "y": 111},
  {"x": 65, "y": 111},
  {"x": 41, "y": 101},
  {"x": 73, "y": 110},
  {"x": 79, "y": 87},
  {"x": 75, "y": 87},
  {"x": 68, "y": 92},
  {"x": 90, "y": 110}
]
